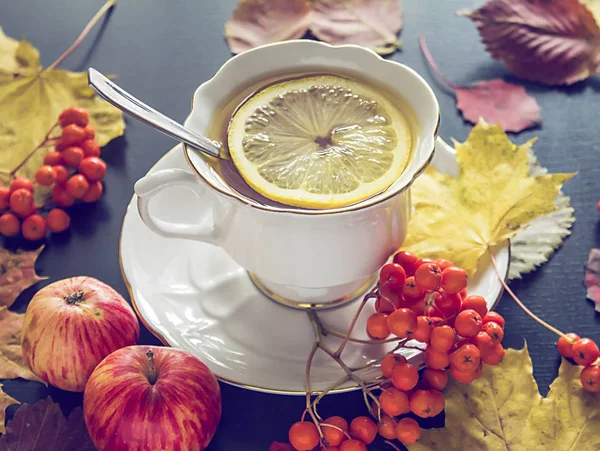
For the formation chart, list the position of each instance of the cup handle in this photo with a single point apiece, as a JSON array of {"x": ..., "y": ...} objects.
[{"x": 147, "y": 187}]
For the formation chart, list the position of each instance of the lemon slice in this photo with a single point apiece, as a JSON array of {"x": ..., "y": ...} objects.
[{"x": 319, "y": 142}]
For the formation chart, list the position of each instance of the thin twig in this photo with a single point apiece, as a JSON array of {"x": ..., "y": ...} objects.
[
  {"x": 377, "y": 381},
  {"x": 434, "y": 66},
  {"x": 413, "y": 347},
  {"x": 346, "y": 338},
  {"x": 312, "y": 315},
  {"x": 32, "y": 153},
  {"x": 108, "y": 5},
  {"x": 333, "y": 386},
  {"x": 335, "y": 333},
  {"x": 308, "y": 389},
  {"x": 376, "y": 362},
  {"x": 518, "y": 301},
  {"x": 351, "y": 375},
  {"x": 333, "y": 426},
  {"x": 387, "y": 442}
]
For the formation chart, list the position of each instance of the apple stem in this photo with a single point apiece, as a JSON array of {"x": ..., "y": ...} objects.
[
  {"x": 152, "y": 373},
  {"x": 74, "y": 298}
]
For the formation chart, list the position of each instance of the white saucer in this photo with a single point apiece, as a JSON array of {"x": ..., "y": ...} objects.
[{"x": 192, "y": 296}]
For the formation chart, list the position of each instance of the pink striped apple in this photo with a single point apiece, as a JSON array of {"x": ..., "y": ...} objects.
[
  {"x": 70, "y": 326},
  {"x": 151, "y": 398}
]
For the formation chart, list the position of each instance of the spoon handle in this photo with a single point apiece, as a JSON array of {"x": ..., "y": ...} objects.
[{"x": 142, "y": 112}]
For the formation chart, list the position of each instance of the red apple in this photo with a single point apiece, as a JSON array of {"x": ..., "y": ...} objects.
[
  {"x": 70, "y": 326},
  {"x": 151, "y": 398}
]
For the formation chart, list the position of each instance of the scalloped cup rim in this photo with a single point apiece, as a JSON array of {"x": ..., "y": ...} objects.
[{"x": 212, "y": 91}]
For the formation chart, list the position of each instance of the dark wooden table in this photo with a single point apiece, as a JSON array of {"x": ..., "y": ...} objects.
[{"x": 162, "y": 50}]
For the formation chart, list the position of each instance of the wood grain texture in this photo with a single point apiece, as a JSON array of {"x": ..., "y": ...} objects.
[{"x": 163, "y": 50}]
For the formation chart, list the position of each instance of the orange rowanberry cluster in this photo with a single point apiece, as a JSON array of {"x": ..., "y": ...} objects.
[
  {"x": 75, "y": 171},
  {"x": 585, "y": 353},
  {"x": 426, "y": 301}
]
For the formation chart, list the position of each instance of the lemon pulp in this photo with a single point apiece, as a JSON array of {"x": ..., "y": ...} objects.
[{"x": 319, "y": 142}]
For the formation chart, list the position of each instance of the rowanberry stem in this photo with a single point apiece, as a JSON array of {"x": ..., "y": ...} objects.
[
  {"x": 520, "y": 304},
  {"x": 333, "y": 426},
  {"x": 387, "y": 442},
  {"x": 366, "y": 393},
  {"x": 376, "y": 362},
  {"x": 108, "y": 5},
  {"x": 308, "y": 388},
  {"x": 335, "y": 333},
  {"x": 346, "y": 338},
  {"x": 333, "y": 386},
  {"x": 32, "y": 153},
  {"x": 313, "y": 317}
]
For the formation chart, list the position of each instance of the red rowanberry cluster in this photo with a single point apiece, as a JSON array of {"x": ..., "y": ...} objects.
[
  {"x": 75, "y": 171},
  {"x": 585, "y": 353},
  {"x": 426, "y": 301}
]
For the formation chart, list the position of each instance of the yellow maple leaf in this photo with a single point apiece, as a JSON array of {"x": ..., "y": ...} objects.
[
  {"x": 31, "y": 100},
  {"x": 17, "y": 57},
  {"x": 492, "y": 198},
  {"x": 568, "y": 418},
  {"x": 503, "y": 410}
]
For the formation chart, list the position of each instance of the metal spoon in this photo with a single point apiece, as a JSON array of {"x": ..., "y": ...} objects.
[{"x": 143, "y": 113}]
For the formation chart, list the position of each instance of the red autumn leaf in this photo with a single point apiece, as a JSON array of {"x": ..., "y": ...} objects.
[
  {"x": 278, "y": 446},
  {"x": 17, "y": 273},
  {"x": 5, "y": 401},
  {"x": 371, "y": 23},
  {"x": 259, "y": 22},
  {"x": 592, "y": 277},
  {"x": 12, "y": 364},
  {"x": 42, "y": 427},
  {"x": 554, "y": 42},
  {"x": 496, "y": 101}
]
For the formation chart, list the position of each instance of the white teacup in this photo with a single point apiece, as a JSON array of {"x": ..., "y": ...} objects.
[{"x": 298, "y": 257}]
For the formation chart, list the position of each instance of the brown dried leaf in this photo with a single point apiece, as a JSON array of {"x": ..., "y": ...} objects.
[
  {"x": 5, "y": 401},
  {"x": 259, "y": 22},
  {"x": 17, "y": 273},
  {"x": 12, "y": 364},
  {"x": 42, "y": 427},
  {"x": 554, "y": 42},
  {"x": 371, "y": 23}
]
